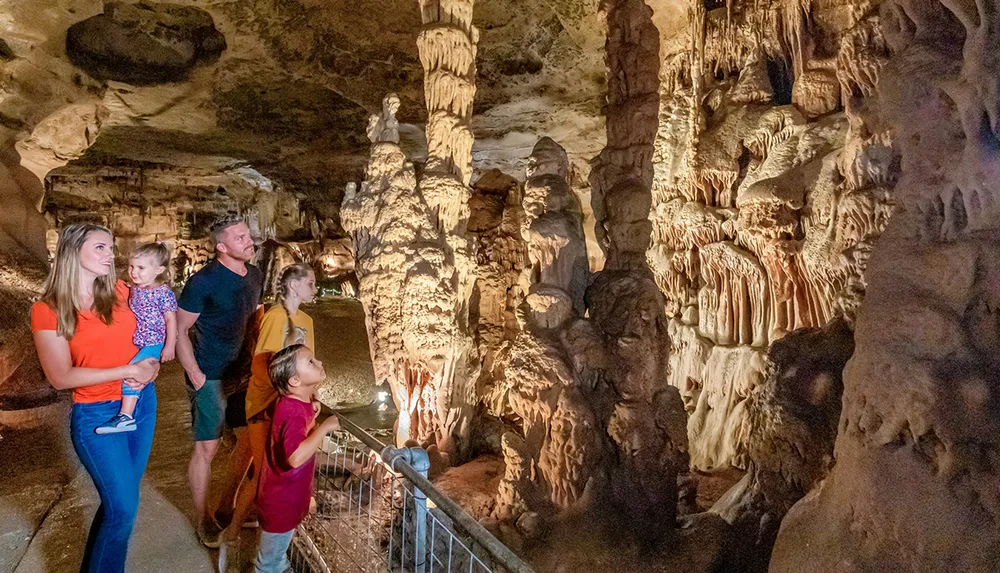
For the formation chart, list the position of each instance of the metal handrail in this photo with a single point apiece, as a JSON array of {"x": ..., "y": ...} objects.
[{"x": 507, "y": 558}]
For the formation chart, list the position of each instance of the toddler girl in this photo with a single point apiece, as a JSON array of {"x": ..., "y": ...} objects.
[{"x": 155, "y": 308}]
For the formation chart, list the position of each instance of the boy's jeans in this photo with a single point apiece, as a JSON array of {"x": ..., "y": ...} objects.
[
  {"x": 271, "y": 555},
  {"x": 145, "y": 352}
]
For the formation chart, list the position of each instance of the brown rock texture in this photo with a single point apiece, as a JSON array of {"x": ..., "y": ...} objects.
[
  {"x": 143, "y": 43},
  {"x": 769, "y": 186},
  {"x": 915, "y": 482}
]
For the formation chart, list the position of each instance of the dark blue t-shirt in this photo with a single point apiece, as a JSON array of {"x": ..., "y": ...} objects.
[{"x": 225, "y": 303}]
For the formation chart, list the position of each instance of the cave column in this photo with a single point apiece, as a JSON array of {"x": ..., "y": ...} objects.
[{"x": 622, "y": 175}]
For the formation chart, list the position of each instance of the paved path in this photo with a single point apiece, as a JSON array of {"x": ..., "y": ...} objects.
[{"x": 47, "y": 500}]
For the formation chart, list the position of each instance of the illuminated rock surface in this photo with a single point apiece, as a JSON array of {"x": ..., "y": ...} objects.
[{"x": 619, "y": 249}]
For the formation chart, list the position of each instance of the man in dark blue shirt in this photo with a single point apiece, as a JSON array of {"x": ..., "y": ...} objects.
[{"x": 219, "y": 303}]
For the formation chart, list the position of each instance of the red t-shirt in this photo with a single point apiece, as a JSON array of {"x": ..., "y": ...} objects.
[
  {"x": 95, "y": 344},
  {"x": 284, "y": 492}
]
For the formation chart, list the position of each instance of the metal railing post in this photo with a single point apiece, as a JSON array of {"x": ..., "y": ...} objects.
[{"x": 418, "y": 460}]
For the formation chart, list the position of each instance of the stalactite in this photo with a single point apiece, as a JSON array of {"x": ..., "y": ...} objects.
[{"x": 696, "y": 17}]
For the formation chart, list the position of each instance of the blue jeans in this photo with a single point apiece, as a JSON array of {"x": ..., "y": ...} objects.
[
  {"x": 116, "y": 463},
  {"x": 271, "y": 555},
  {"x": 145, "y": 352}
]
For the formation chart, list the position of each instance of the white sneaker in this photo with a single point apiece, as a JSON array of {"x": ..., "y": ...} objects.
[{"x": 120, "y": 423}]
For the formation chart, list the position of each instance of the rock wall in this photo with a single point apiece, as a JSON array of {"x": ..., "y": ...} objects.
[
  {"x": 772, "y": 177},
  {"x": 143, "y": 203},
  {"x": 915, "y": 482},
  {"x": 51, "y": 114}
]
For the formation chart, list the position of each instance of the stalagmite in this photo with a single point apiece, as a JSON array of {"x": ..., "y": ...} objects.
[
  {"x": 553, "y": 224},
  {"x": 414, "y": 252}
]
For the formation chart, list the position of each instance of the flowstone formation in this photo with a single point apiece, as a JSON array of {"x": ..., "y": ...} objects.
[
  {"x": 496, "y": 218},
  {"x": 597, "y": 422},
  {"x": 772, "y": 177},
  {"x": 914, "y": 487},
  {"x": 414, "y": 254}
]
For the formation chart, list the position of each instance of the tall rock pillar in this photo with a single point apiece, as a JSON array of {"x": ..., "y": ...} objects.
[{"x": 413, "y": 249}]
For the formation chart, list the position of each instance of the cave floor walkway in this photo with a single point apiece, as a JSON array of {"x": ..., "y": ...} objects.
[{"x": 47, "y": 499}]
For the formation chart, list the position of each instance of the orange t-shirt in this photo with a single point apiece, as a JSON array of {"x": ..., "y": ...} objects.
[{"x": 96, "y": 345}]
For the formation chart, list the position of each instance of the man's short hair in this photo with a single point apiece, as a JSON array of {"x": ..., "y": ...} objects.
[
  {"x": 220, "y": 225},
  {"x": 281, "y": 367}
]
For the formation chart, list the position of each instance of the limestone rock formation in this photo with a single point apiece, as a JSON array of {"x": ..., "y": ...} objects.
[
  {"x": 553, "y": 225},
  {"x": 412, "y": 249},
  {"x": 787, "y": 438},
  {"x": 496, "y": 218},
  {"x": 143, "y": 43},
  {"x": 915, "y": 482},
  {"x": 766, "y": 198},
  {"x": 597, "y": 421},
  {"x": 561, "y": 446}
]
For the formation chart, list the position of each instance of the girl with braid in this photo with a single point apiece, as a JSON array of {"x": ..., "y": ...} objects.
[{"x": 283, "y": 325}]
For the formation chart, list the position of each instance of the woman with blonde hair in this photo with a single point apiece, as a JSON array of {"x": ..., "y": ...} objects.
[
  {"x": 82, "y": 328},
  {"x": 283, "y": 324}
]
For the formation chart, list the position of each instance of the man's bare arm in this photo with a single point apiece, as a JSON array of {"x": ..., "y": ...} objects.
[{"x": 185, "y": 350}]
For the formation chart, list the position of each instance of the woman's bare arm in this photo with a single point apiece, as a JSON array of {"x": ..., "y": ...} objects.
[{"x": 57, "y": 363}]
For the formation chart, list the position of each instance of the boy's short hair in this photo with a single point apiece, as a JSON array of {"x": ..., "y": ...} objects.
[
  {"x": 220, "y": 225},
  {"x": 281, "y": 367}
]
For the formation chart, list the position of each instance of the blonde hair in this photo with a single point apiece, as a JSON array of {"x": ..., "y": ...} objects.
[
  {"x": 61, "y": 289},
  {"x": 160, "y": 255},
  {"x": 290, "y": 273}
]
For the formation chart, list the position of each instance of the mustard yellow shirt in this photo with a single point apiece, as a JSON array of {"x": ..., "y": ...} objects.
[{"x": 273, "y": 328}]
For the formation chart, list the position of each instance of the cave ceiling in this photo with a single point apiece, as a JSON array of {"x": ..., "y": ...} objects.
[{"x": 290, "y": 85}]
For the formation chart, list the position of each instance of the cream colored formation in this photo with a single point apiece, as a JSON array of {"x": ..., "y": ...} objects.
[
  {"x": 763, "y": 211},
  {"x": 413, "y": 250}
]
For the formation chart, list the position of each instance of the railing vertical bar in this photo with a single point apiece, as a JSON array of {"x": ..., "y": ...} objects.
[
  {"x": 402, "y": 549},
  {"x": 392, "y": 516},
  {"x": 433, "y": 527},
  {"x": 451, "y": 543}
]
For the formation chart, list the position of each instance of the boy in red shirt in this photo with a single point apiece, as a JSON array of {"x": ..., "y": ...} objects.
[{"x": 285, "y": 488}]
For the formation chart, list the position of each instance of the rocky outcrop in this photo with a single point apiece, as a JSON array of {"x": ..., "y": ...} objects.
[
  {"x": 143, "y": 43},
  {"x": 915, "y": 482}
]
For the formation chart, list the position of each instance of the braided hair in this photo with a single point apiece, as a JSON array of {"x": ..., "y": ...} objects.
[{"x": 288, "y": 274}]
